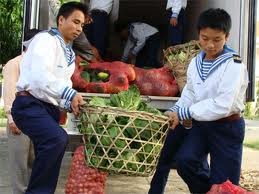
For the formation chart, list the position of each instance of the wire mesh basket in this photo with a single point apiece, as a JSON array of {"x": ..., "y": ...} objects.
[
  {"x": 121, "y": 141},
  {"x": 178, "y": 57}
]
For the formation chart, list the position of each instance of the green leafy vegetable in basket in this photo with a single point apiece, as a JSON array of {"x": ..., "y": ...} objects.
[
  {"x": 122, "y": 120},
  {"x": 182, "y": 56},
  {"x": 120, "y": 143},
  {"x": 145, "y": 107},
  {"x": 148, "y": 148},
  {"x": 131, "y": 158},
  {"x": 113, "y": 131},
  {"x": 94, "y": 161},
  {"x": 129, "y": 99},
  {"x": 118, "y": 164},
  {"x": 106, "y": 141},
  {"x": 130, "y": 132},
  {"x": 98, "y": 101}
]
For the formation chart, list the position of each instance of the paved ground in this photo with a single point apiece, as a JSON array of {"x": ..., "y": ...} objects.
[{"x": 129, "y": 185}]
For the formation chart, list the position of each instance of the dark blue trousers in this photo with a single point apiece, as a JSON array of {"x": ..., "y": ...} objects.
[
  {"x": 190, "y": 147},
  {"x": 176, "y": 33},
  {"x": 172, "y": 143},
  {"x": 40, "y": 121},
  {"x": 148, "y": 55},
  {"x": 96, "y": 32}
]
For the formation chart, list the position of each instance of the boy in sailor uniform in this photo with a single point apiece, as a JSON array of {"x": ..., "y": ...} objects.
[{"x": 213, "y": 98}]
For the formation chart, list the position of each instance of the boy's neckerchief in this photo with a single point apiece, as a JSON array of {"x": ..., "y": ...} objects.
[
  {"x": 226, "y": 54},
  {"x": 69, "y": 53}
]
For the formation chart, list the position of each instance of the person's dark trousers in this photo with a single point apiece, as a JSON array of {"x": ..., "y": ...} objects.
[
  {"x": 176, "y": 33},
  {"x": 96, "y": 32},
  {"x": 39, "y": 120},
  {"x": 223, "y": 140},
  {"x": 148, "y": 55},
  {"x": 172, "y": 143}
]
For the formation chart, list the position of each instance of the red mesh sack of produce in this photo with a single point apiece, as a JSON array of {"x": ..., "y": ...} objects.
[
  {"x": 156, "y": 82},
  {"x": 119, "y": 75},
  {"x": 227, "y": 188},
  {"x": 82, "y": 179},
  {"x": 102, "y": 77},
  {"x": 79, "y": 83}
]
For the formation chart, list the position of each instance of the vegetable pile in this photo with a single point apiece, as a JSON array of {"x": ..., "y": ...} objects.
[
  {"x": 82, "y": 179},
  {"x": 124, "y": 134}
]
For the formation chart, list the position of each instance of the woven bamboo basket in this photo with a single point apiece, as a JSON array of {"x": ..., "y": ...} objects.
[
  {"x": 121, "y": 141},
  {"x": 178, "y": 57}
]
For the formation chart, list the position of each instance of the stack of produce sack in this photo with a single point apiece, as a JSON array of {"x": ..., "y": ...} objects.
[
  {"x": 123, "y": 134},
  {"x": 83, "y": 179},
  {"x": 113, "y": 77}
]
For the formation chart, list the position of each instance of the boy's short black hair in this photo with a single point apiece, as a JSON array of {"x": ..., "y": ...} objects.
[
  {"x": 67, "y": 9},
  {"x": 119, "y": 26},
  {"x": 216, "y": 19},
  {"x": 28, "y": 34}
]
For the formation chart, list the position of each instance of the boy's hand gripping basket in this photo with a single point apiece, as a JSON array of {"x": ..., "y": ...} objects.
[
  {"x": 178, "y": 57},
  {"x": 121, "y": 141}
]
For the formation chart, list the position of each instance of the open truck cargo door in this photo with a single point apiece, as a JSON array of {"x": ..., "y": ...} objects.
[{"x": 251, "y": 50}]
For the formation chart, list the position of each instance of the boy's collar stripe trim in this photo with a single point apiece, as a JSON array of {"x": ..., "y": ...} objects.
[
  {"x": 198, "y": 65},
  {"x": 227, "y": 53},
  {"x": 68, "y": 51}
]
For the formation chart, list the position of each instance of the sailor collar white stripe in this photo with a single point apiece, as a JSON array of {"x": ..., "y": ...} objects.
[
  {"x": 227, "y": 53},
  {"x": 69, "y": 53},
  {"x": 219, "y": 61}
]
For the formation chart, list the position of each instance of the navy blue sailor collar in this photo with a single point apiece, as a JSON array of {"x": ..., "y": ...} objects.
[
  {"x": 68, "y": 51},
  {"x": 225, "y": 55}
]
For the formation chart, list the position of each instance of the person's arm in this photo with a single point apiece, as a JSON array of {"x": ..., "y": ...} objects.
[
  {"x": 231, "y": 92},
  {"x": 115, "y": 11},
  {"x": 176, "y": 7},
  {"x": 10, "y": 74},
  {"x": 139, "y": 33},
  {"x": 139, "y": 45},
  {"x": 129, "y": 45}
]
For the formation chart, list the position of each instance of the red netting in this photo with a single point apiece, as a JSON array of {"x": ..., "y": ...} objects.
[
  {"x": 82, "y": 179},
  {"x": 156, "y": 82}
]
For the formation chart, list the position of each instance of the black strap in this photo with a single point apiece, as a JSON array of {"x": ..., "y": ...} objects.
[{"x": 237, "y": 58}]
